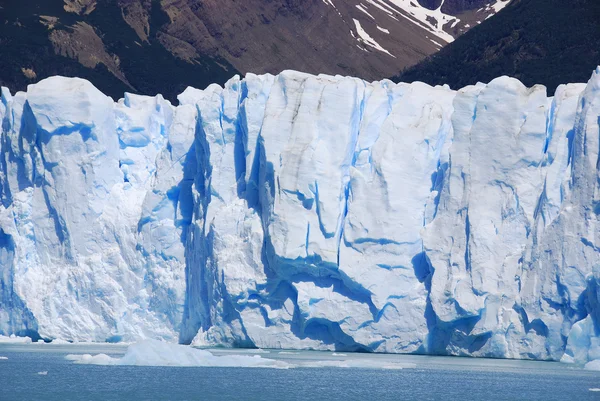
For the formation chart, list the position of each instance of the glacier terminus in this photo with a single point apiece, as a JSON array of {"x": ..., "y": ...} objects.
[{"x": 306, "y": 212}]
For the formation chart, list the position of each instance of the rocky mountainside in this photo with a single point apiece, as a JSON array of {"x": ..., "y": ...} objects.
[
  {"x": 537, "y": 41},
  {"x": 150, "y": 46}
]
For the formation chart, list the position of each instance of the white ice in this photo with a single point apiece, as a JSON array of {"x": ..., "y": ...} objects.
[
  {"x": 12, "y": 339},
  {"x": 159, "y": 353},
  {"x": 305, "y": 212}
]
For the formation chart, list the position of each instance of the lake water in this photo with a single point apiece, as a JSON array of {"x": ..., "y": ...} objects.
[{"x": 428, "y": 378}]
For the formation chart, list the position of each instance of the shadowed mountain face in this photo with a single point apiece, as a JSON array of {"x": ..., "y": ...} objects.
[
  {"x": 150, "y": 46},
  {"x": 546, "y": 42},
  {"x": 40, "y": 38}
]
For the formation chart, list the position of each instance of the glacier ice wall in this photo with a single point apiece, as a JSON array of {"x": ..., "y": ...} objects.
[
  {"x": 91, "y": 245},
  {"x": 300, "y": 211}
]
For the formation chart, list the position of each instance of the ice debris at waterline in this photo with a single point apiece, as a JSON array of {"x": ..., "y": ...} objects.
[
  {"x": 299, "y": 211},
  {"x": 12, "y": 339},
  {"x": 158, "y": 353}
]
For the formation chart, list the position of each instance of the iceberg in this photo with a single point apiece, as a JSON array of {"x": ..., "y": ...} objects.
[
  {"x": 158, "y": 353},
  {"x": 12, "y": 339},
  {"x": 305, "y": 212}
]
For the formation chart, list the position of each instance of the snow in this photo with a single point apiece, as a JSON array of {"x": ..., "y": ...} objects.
[
  {"x": 498, "y": 5},
  {"x": 434, "y": 21},
  {"x": 305, "y": 212},
  {"x": 158, "y": 353},
  {"x": 330, "y": 3},
  {"x": 363, "y": 9},
  {"x": 431, "y": 20},
  {"x": 367, "y": 39},
  {"x": 436, "y": 43},
  {"x": 493, "y": 7},
  {"x": 389, "y": 11}
]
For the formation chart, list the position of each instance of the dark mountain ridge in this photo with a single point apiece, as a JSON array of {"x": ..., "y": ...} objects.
[{"x": 96, "y": 46}]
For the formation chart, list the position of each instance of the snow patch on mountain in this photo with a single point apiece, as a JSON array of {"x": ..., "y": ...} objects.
[
  {"x": 437, "y": 23},
  {"x": 497, "y": 6},
  {"x": 366, "y": 39}
]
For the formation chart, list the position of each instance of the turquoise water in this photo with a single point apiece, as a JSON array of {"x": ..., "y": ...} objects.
[{"x": 431, "y": 378}]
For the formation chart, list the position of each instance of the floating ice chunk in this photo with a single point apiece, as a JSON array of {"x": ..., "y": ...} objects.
[
  {"x": 14, "y": 340},
  {"x": 157, "y": 353},
  {"x": 3, "y": 358},
  {"x": 59, "y": 341},
  {"x": 88, "y": 359},
  {"x": 593, "y": 365},
  {"x": 43, "y": 373},
  {"x": 595, "y": 389}
]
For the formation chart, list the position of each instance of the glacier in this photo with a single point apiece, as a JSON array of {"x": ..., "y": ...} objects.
[{"x": 306, "y": 212}]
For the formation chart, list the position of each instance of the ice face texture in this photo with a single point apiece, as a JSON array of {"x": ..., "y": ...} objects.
[{"x": 300, "y": 211}]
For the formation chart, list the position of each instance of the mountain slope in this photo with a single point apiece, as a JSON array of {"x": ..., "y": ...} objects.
[
  {"x": 40, "y": 38},
  {"x": 537, "y": 41},
  {"x": 162, "y": 46},
  {"x": 362, "y": 38}
]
